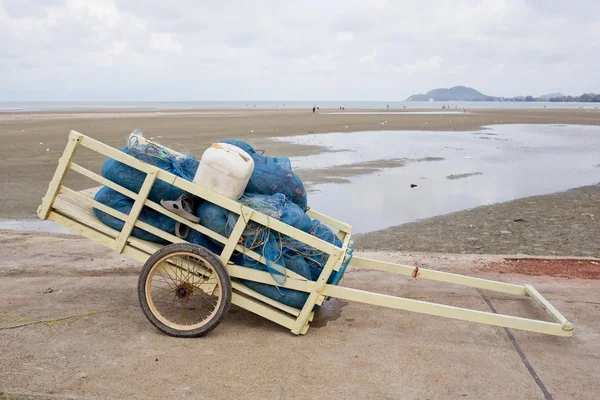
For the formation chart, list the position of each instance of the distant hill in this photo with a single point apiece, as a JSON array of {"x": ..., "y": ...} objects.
[
  {"x": 463, "y": 93},
  {"x": 547, "y": 97},
  {"x": 456, "y": 93}
]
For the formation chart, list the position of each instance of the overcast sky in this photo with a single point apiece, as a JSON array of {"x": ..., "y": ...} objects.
[{"x": 301, "y": 50}]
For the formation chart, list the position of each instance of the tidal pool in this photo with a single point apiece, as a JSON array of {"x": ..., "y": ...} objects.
[{"x": 452, "y": 171}]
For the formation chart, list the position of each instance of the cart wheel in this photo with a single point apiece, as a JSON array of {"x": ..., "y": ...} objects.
[{"x": 184, "y": 290}]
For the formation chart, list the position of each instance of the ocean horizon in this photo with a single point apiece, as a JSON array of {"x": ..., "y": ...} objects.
[{"x": 45, "y": 106}]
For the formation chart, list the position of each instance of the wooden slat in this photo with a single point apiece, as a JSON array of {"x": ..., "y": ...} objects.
[
  {"x": 117, "y": 214},
  {"x": 115, "y": 154},
  {"x": 59, "y": 174},
  {"x": 236, "y": 271},
  {"x": 70, "y": 207},
  {"x": 96, "y": 236},
  {"x": 441, "y": 310},
  {"x": 236, "y": 234},
  {"x": 424, "y": 273},
  {"x": 92, "y": 203},
  {"x": 345, "y": 243},
  {"x": 315, "y": 294},
  {"x": 273, "y": 303},
  {"x": 134, "y": 213},
  {"x": 100, "y": 179},
  {"x": 329, "y": 221},
  {"x": 261, "y": 218},
  {"x": 549, "y": 308},
  {"x": 262, "y": 309}
]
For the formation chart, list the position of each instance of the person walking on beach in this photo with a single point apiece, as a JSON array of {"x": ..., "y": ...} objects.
[{"x": 314, "y": 109}]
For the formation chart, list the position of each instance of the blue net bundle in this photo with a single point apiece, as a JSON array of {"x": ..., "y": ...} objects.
[
  {"x": 273, "y": 190},
  {"x": 184, "y": 166},
  {"x": 273, "y": 175},
  {"x": 280, "y": 251},
  {"x": 122, "y": 203}
]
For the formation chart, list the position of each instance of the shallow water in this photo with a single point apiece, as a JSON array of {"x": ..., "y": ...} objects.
[
  {"x": 393, "y": 112},
  {"x": 495, "y": 164}
]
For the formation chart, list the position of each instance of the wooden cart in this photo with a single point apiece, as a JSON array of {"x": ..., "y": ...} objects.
[{"x": 185, "y": 290}]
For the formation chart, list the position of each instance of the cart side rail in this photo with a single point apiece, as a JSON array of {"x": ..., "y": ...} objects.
[
  {"x": 479, "y": 283},
  {"x": 559, "y": 328},
  {"x": 77, "y": 139},
  {"x": 339, "y": 225},
  {"x": 430, "y": 274}
]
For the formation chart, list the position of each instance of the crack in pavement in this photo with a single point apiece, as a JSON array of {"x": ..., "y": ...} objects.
[{"x": 512, "y": 339}]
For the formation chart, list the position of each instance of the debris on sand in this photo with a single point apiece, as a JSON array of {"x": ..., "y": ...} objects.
[
  {"x": 461, "y": 176},
  {"x": 429, "y": 159}
]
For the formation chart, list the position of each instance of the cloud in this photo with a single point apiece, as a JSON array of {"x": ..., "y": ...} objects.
[{"x": 309, "y": 50}]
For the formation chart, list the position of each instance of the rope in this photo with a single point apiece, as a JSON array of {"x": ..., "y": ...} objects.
[
  {"x": 415, "y": 273},
  {"x": 47, "y": 322}
]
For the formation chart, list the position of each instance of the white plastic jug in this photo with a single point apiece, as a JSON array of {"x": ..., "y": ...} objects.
[{"x": 225, "y": 169}]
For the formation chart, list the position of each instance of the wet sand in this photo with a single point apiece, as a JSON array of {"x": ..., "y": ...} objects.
[
  {"x": 27, "y": 167},
  {"x": 562, "y": 224}
]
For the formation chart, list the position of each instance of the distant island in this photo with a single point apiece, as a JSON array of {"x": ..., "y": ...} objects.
[
  {"x": 463, "y": 93},
  {"x": 456, "y": 93}
]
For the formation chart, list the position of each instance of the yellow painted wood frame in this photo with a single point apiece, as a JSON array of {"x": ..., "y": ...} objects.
[{"x": 74, "y": 210}]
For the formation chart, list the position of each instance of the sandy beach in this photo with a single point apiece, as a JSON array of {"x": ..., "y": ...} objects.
[
  {"x": 71, "y": 326},
  {"x": 33, "y": 143}
]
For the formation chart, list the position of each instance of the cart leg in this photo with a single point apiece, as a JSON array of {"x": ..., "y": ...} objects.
[{"x": 315, "y": 294}]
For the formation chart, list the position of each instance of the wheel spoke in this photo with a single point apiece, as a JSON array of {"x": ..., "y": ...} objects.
[
  {"x": 203, "y": 295},
  {"x": 165, "y": 279},
  {"x": 163, "y": 295},
  {"x": 203, "y": 313},
  {"x": 184, "y": 291}
]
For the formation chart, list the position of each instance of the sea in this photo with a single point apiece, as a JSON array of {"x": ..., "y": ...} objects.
[{"x": 35, "y": 106}]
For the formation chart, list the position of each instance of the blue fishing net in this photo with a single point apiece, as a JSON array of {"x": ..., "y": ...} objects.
[
  {"x": 132, "y": 179},
  {"x": 255, "y": 237},
  {"x": 273, "y": 190},
  {"x": 272, "y": 175},
  {"x": 281, "y": 252},
  {"x": 122, "y": 203}
]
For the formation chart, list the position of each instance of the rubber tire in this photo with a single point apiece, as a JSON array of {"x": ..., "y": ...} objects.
[{"x": 223, "y": 277}]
